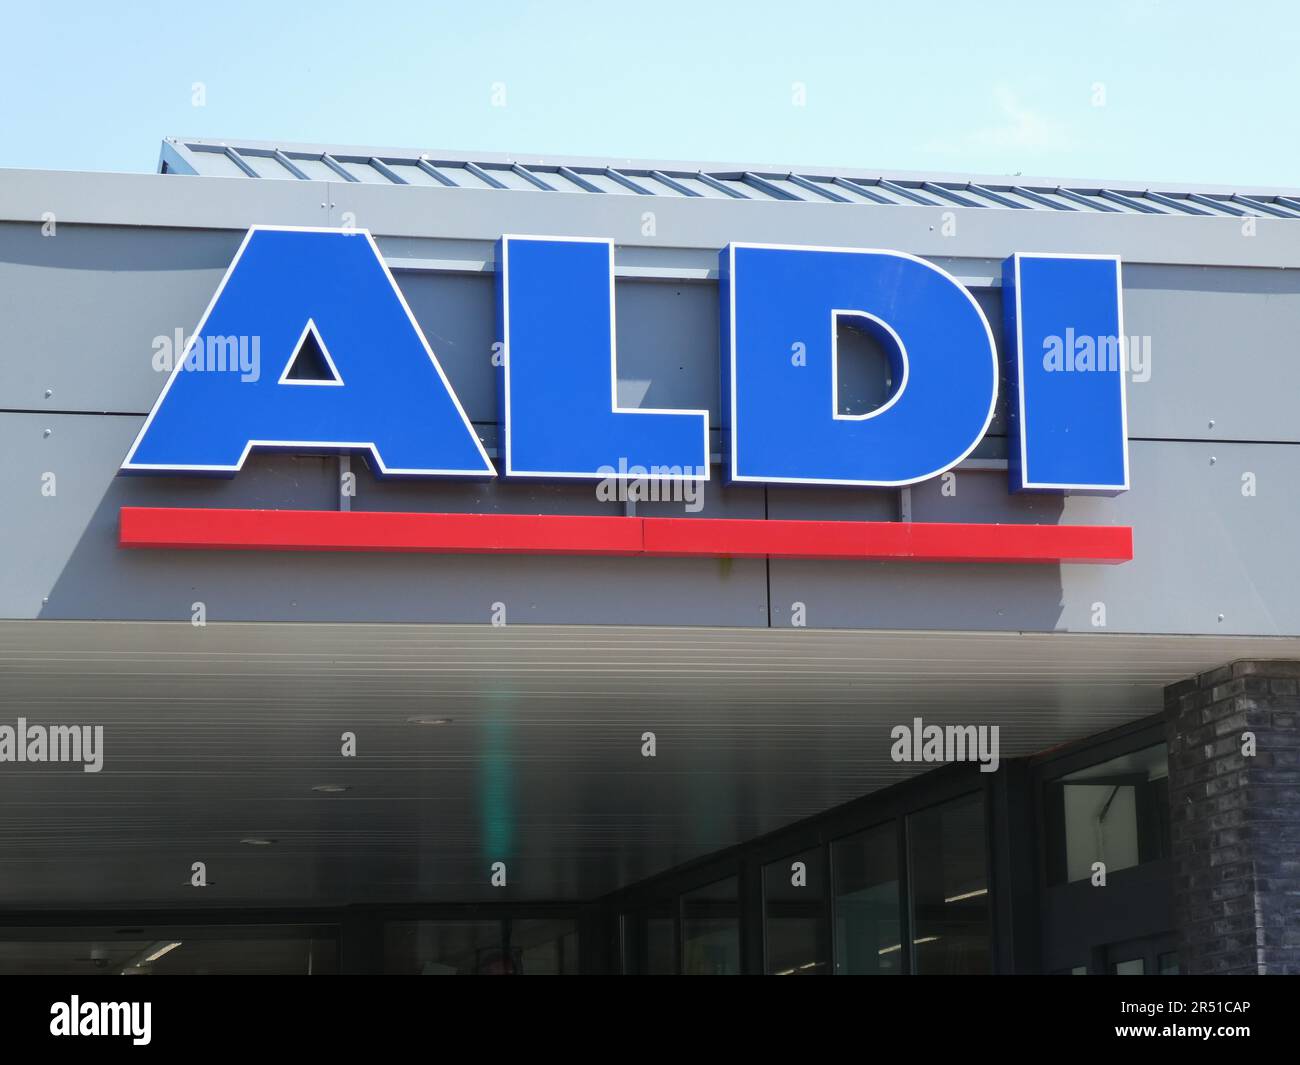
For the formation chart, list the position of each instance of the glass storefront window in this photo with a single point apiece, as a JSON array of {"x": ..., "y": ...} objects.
[
  {"x": 1116, "y": 812},
  {"x": 446, "y": 948},
  {"x": 793, "y": 915},
  {"x": 648, "y": 941},
  {"x": 868, "y": 928},
  {"x": 948, "y": 873},
  {"x": 659, "y": 949},
  {"x": 711, "y": 930},
  {"x": 545, "y": 947},
  {"x": 203, "y": 950}
]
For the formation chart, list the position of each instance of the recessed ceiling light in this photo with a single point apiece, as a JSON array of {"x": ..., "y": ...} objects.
[
  {"x": 429, "y": 720},
  {"x": 256, "y": 841},
  {"x": 162, "y": 949},
  {"x": 329, "y": 789}
]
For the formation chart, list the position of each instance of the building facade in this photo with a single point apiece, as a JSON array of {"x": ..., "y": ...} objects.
[{"x": 834, "y": 711}]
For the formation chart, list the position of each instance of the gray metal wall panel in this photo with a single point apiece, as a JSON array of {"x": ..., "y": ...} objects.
[
  {"x": 457, "y": 314},
  {"x": 484, "y": 214},
  {"x": 64, "y": 548},
  {"x": 159, "y": 200},
  {"x": 79, "y": 311},
  {"x": 1222, "y": 346},
  {"x": 1201, "y": 549}
]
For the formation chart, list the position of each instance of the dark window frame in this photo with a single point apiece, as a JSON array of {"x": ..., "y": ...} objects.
[
  {"x": 746, "y": 861},
  {"x": 1143, "y": 893}
]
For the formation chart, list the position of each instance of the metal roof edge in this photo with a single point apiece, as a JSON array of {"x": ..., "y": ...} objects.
[
  {"x": 713, "y": 167},
  {"x": 481, "y": 215}
]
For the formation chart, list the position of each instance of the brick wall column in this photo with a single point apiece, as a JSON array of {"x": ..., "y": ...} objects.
[{"x": 1235, "y": 822}]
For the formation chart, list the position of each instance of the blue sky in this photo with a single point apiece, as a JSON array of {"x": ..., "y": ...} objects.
[{"x": 1145, "y": 90}]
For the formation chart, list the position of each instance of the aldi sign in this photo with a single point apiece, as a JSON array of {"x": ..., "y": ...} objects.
[{"x": 382, "y": 391}]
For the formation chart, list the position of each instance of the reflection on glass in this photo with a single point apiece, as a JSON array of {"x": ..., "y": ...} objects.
[
  {"x": 545, "y": 948},
  {"x": 949, "y": 886},
  {"x": 1116, "y": 812},
  {"x": 867, "y": 914},
  {"x": 446, "y": 948},
  {"x": 659, "y": 951},
  {"x": 793, "y": 915},
  {"x": 204, "y": 950},
  {"x": 648, "y": 941},
  {"x": 1168, "y": 963},
  {"x": 1131, "y": 967},
  {"x": 711, "y": 930}
]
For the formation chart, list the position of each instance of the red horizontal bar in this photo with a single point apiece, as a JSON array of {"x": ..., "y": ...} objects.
[
  {"x": 557, "y": 534},
  {"x": 914, "y": 541}
]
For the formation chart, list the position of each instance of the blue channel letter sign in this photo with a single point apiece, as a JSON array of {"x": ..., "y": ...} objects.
[{"x": 381, "y": 390}]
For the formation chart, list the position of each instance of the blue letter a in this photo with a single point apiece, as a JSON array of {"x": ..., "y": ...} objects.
[{"x": 387, "y": 393}]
